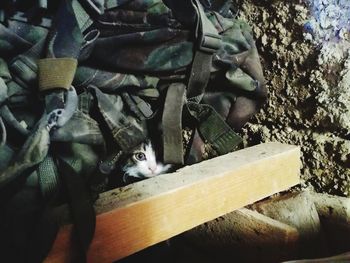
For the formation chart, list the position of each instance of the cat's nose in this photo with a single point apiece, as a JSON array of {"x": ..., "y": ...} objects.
[{"x": 152, "y": 168}]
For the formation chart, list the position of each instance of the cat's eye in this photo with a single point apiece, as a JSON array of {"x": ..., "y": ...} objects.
[{"x": 140, "y": 156}]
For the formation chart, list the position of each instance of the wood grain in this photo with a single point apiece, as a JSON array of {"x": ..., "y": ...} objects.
[{"x": 134, "y": 217}]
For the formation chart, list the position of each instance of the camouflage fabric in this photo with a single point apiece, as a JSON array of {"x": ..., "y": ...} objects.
[
  {"x": 127, "y": 54},
  {"x": 135, "y": 45}
]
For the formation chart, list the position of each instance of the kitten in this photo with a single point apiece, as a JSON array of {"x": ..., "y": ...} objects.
[{"x": 142, "y": 163}]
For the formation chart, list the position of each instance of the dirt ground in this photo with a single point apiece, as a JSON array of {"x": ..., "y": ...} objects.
[{"x": 309, "y": 93}]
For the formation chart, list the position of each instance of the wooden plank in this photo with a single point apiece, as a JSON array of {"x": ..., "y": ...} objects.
[{"x": 142, "y": 214}]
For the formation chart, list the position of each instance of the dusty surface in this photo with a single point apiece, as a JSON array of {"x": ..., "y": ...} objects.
[{"x": 309, "y": 100}]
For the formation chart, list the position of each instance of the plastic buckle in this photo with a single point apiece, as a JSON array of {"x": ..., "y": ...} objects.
[
  {"x": 58, "y": 118},
  {"x": 143, "y": 106},
  {"x": 210, "y": 43}
]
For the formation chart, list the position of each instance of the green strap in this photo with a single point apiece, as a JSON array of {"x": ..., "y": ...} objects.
[
  {"x": 82, "y": 17},
  {"x": 48, "y": 178},
  {"x": 4, "y": 70},
  {"x": 24, "y": 67},
  {"x": 81, "y": 207},
  {"x": 172, "y": 124},
  {"x": 209, "y": 42},
  {"x": 85, "y": 102},
  {"x": 213, "y": 128}
]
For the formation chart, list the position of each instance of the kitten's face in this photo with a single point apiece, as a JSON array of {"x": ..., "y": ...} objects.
[{"x": 143, "y": 163}]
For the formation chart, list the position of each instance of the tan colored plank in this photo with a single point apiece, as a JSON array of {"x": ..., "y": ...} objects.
[{"x": 142, "y": 214}]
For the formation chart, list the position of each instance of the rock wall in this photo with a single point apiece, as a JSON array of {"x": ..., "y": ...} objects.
[{"x": 309, "y": 92}]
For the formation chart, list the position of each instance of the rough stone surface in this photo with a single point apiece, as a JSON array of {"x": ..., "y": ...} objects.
[{"x": 309, "y": 93}]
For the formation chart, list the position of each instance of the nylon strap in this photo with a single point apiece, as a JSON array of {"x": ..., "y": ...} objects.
[
  {"x": 172, "y": 124},
  {"x": 199, "y": 76},
  {"x": 56, "y": 73},
  {"x": 24, "y": 67},
  {"x": 209, "y": 42},
  {"x": 85, "y": 102},
  {"x": 82, "y": 210},
  {"x": 48, "y": 178},
  {"x": 82, "y": 17},
  {"x": 214, "y": 129}
]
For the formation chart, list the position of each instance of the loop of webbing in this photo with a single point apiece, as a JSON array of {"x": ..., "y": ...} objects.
[{"x": 208, "y": 37}]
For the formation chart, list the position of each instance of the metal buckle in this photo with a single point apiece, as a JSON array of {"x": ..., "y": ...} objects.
[{"x": 210, "y": 43}]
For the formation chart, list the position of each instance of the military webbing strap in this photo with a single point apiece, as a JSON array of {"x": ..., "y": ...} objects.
[
  {"x": 48, "y": 178},
  {"x": 209, "y": 42},
  {"x": 24, "y": 67},
  {"x": 213, "y": 128},
  {"x": 3, "y": 97},
  {"x": 43, "y": 236},
  {"x": 172, "y": 124},
  {"x": 3, "y": 133},
  {"x": 63, "y": 44},
  {"x": 82, "y": 17},
  {"x": 85, "y": 102},
  {"x": 82, "y": 210},
  {"x": 11, "y": 120}
]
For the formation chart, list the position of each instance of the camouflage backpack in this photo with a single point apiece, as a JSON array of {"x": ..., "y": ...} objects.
[{"x": 82, "y": 80}]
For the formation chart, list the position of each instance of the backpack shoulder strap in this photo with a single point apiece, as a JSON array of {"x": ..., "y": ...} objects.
[{"x": 208, "y": 42}]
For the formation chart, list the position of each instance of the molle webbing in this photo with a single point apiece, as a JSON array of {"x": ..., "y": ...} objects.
[
  {"x": 48, "y": 178},
  {"x": 213, "y": 128},
  {"x": 56, "y": 73}
]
